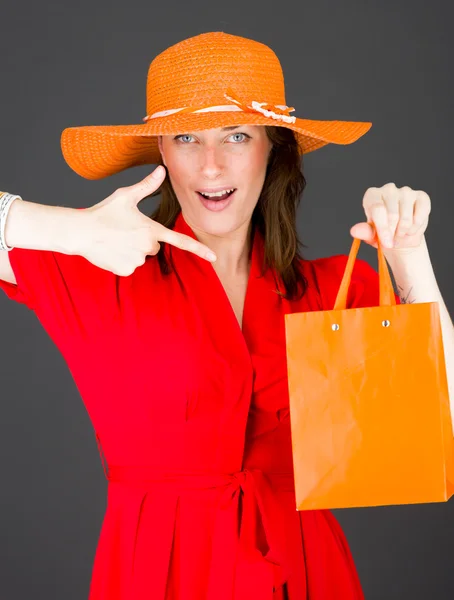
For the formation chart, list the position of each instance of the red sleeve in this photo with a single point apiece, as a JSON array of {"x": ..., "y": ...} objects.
[
  {"x": 67, "y": 292},
  {"x": 364, "y": 287},
  {"x": 15, "y": 292}
]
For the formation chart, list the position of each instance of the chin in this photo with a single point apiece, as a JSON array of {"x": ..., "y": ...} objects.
[{"x": 219, "y": 224}]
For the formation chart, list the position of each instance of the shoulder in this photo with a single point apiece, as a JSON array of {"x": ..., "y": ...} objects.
[{"x": 325, "y": 275}]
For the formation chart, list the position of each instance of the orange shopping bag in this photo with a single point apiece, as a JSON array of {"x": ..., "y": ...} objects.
[{"x": 369, "y": 404}]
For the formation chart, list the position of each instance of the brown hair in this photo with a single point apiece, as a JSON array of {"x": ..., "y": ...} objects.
[{"x": 274, "y": 215}]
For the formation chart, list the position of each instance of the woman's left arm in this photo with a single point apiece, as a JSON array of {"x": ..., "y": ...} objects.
[{"x": 400, "y": 216}]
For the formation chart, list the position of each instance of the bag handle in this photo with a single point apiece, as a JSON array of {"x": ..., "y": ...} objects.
[{"x": 387, "y": 297}]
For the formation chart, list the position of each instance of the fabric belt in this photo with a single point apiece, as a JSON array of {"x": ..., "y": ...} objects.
[{"x": 259, "y": 567}]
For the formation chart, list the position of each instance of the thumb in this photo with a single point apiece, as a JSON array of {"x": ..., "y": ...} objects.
[
  {"x": 364, "y": 231},
  {"x": 148, "y": 185}
]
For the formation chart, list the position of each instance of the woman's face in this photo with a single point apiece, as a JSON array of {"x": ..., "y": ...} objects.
[{"x": 217, "y": 159}]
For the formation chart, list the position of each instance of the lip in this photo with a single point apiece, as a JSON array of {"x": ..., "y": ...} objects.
[
  {"x": 216, "y": 189},
  {"x": 216, "y": 205}
]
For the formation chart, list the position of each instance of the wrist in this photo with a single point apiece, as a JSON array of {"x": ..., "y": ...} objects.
[
  {"x": 411, "y": 255},
  {"x": 70, "y": 230}
]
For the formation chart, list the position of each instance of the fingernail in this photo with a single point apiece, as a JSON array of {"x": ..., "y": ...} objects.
[
  {"x": 157, "y": 172},
  {"x": 211, "y": 256}
]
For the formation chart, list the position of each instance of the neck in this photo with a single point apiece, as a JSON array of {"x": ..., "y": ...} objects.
[{"x": 232, "y": 250}]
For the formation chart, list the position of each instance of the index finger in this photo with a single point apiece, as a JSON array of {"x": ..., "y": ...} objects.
[{"x": 185, "y": 242}]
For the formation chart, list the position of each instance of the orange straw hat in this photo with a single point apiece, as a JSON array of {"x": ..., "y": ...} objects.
[{"x": 207, "y": 81}]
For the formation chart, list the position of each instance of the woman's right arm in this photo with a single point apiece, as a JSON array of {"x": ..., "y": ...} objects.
[
  {"x": 112, "y": 234},
  {"x": 40, "y": 227}
]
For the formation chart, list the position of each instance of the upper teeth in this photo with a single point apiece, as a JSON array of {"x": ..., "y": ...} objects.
[{"x": 212, "y": 194}]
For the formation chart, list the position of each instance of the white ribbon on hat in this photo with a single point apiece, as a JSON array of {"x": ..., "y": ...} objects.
[{"x": 238, "y": 106}]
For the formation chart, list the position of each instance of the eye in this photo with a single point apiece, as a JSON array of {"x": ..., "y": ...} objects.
[
  {"x": 184, "y": 135},
  {"x": 241, "y": 133},
  {"x": 181, "y": 137}
]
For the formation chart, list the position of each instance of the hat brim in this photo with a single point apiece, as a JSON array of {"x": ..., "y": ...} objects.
[{"x": 97, "y": 151}]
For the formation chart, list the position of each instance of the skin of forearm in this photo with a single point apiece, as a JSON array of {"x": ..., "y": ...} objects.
[
  {"x": 40, "y": 227},
  {"x": 415, "y": 279}
]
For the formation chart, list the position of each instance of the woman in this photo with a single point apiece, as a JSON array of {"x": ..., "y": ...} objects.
[{"x": 180, "y": 361}]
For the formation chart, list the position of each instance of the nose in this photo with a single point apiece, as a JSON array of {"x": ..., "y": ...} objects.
[{"x": 211, "y": 162}]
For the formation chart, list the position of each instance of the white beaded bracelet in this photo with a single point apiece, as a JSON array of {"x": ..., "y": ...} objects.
[{"x": 6, "y": 201}]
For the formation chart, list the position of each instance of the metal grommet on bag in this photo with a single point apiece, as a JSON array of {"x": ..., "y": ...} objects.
[
  {"x": 6, "y": 201},
  {"x": 335, "y": 327},
  {"x": 386, "y": 323}
]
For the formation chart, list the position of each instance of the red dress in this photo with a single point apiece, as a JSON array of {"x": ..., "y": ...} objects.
[{"x": 193, "y": 419}]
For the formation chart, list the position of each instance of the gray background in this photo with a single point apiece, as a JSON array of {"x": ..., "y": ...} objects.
[{"x": 85, "y": 63}]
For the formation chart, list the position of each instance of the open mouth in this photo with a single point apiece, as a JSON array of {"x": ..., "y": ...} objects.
[{"x": 217, "y": 198}]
